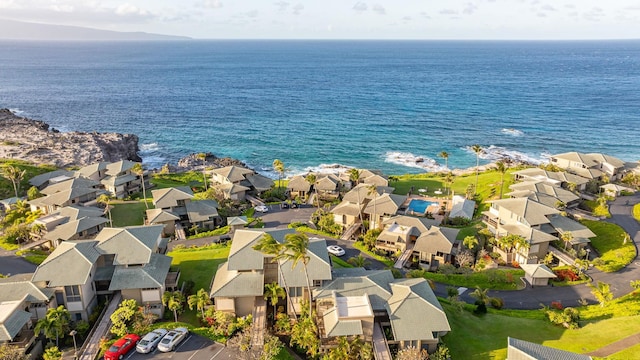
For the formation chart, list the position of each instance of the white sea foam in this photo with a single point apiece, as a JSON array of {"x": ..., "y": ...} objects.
[
  {"x": 16, "y": 111},
  {"x": 494, "y": 153},
  {"x": 512, "y": 132},
  {"x": 149, "y": 147},
  {"x": 411, "y": 160}
]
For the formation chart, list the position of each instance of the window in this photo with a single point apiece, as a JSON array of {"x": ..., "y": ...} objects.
[
  {"x": 317, "y": 283},
  {"x": 78, "y": 316},
  {"x": 72, "y": 293}
]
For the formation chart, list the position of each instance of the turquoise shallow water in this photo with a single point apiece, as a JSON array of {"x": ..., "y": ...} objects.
[{"x": 390, "y": 105}]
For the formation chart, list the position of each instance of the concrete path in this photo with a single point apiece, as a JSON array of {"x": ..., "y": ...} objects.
[
  {"x": 617, "y": 346},
  {"x": 91, "y": 347}
]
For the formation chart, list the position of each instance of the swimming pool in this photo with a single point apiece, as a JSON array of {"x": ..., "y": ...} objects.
[{"x": 420, "y": 206}]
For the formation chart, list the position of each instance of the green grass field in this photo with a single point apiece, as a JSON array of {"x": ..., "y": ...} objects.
[
  {"x": 128, "y": 214},
  {"x": 609, "y": 243},
  {"x": 6, "y": 188},
  {"x": 199, "y": 264},
  {"x": 636, "y": 212},
  {"x": 494, "y": 279}
]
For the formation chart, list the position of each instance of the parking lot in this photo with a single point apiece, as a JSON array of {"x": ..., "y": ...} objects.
[{"x": 194, "y": 347}]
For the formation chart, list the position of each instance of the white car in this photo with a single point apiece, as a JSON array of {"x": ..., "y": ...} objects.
[
  {"x": 172, "y": 339},
  {"x": 262, "y": 209},
  {"x": 335, "y": 250},
  {"x": 150, "y": 341}
]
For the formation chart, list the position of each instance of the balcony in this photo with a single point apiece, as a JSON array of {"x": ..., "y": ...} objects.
[{"x": 171, "y": 281}]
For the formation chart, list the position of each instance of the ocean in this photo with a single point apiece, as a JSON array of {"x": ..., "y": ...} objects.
[{"x": 388, "y": 105}]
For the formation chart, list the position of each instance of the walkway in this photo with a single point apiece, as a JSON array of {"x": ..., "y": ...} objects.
[
  {"x": 91, "y": 347},
  {"x": 617, "y": 346},
  {"x": 405, "y": 256},
  {"x": 380, "y": 347},
  {"x": 259, "y": 322}
]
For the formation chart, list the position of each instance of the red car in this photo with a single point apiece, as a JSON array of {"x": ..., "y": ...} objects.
[{"x": 121, "y": 347}]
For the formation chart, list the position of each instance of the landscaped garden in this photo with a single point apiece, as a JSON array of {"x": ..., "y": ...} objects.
[
  {"x": 128, "y": 213},
  {"x": 494, "y": 279}
]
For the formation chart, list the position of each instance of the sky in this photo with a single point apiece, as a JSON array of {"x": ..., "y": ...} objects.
[{"x": 343, "y": 19}]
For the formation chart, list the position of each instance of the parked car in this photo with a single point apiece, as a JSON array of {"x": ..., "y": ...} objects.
[
  {"x": 149, "y": 342},
  {"x": 262, "y": 209},
  {"x": 121, "y": 347},
  {"x": 172, "y": 339},
  {"x": 335, "y": 250}
]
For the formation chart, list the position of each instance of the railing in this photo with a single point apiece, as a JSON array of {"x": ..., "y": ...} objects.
[{"x": 91, "y": 346}]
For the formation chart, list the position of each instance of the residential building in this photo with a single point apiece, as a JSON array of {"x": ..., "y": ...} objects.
[
  {"x": 525, "y": 350},
  {"x": 590, "y": 166},
  {"x": 402, "y": 231},
  {"x": 241, "y": 279},
  {"x": 537, "y": 274},
  {"x": 383, "y": 207},
  {"x": 435, "y": 247},
  {"x": 544, "y": 193},
  {"x": 462, "y": 207},
  {"x": 172, "y": 203},
  {"x": 236, "y": 182},
  {"x": 560, "y": 179},
  {"x": 298, "y": 187},
  {"x": 66, "y": 193},
  {"x": 120, "y": 181},
  {"x": 615, "y": 190},
  {"x": 43, "y": 180}
]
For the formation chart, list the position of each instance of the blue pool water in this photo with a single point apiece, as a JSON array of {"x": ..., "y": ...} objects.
[{"x": 419, "y": 206}]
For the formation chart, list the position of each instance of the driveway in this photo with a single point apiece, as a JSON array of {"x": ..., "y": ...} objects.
[
  {"x": 10, "y": 264},
  {"x": 193, "y": 348}
]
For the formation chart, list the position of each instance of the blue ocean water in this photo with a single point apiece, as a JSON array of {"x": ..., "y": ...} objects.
[{"x": 389, "y": 105}]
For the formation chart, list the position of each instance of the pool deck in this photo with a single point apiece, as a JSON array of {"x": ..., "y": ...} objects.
[{"x": 439, "y": 201}]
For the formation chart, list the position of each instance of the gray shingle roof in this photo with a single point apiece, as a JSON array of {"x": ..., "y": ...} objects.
[
  {"x": 156, "y": 216},
  {"x": 75, "y": 212},
  {"x": 118, "y": 167},
  {"x": 68, "y": 230},
  {"x": 259, "y": 182},
  {"x": 318, "y": 268},
  {"x": 69, "y": 264},
  {"x": 298, "y": 183},
  {"x": 59, "y": 198},
  {"x": 202, "y": 210},
  {"x": 517, "y": 349},
  {"x": 385, "y": 204},
  {"x": 357, "y": 282},
  {"x": 233, "y": 173},
  {"x": 436, "y": 240},
  {"x": 169, "y": 197},
  {"x": 151, "y": 275},
  {"x": 232, "y": 283},
  {"x": 131, "y": 245},
  {"x": 39, "y": 180},
  {"x": 17, "y": 286},
  {"x": 12, "y": 319},
  {"x": 242, "y": 256},
  {"x": 533, "y": 212},
  {"x": 537, "y": 271},
  {"x": 69, "y": 184},
  {"x": 414, "y": 311},
  {"x": 421, "y": 224}
]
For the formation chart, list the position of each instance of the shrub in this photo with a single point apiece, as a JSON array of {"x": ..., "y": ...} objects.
[
  {"x": 480, "y": 309},
  {"x": 556, "y": 305},
  {"x": 515, "y": 264},
  {"x": 568, "y": 317},
  {"x": 496, "y": 303},
  {"x": 283, "y": 324},
  {"x": 566, "y": 275},
  {"x": 416, "y": 273}
]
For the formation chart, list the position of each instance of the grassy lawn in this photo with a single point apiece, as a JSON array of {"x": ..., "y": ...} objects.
[
  {"x": 128, "y": 214},
  {"x": 609, "y": 243},
  {"x": 592, "y": 205},
  {"x": 190, "y": 178},
  {"x": 485, "y": 337},
  {"x": 360, "y": 246},
  {"x": 33, "y": 256},
  {"x": 636, "y": 212},
  {"x": 494, "y": 279},
  {"x": 471, "y": 230},
  {"x": 6, "y": 188},
  {"x": 339, "y": 263},
  {"x": 199, "y": 264}
]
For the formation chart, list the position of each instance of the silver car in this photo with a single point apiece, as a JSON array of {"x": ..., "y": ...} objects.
[
  {"x": 172, "y": 339},
  {"x": 150, "y": 341}
]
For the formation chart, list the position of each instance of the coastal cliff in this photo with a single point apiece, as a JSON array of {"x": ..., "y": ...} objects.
[{"x": 34, "y": 141}]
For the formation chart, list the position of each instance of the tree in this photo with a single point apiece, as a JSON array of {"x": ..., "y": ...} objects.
[
  {"x": 370, "y": 238},
  {"x": 271, "y": 348},
  {"x": 124, "y": 317},
  {"x": 52, "y": 353},
  {"x": 502, "y": 168},
  {"x": 278, "y": 166},
  {"x": 635, "y": 284},
  {"x": 354, "y": 176},
  {"x": 464, "y": 258},
  {"x": 174, "y": 301},
  {"x": 602, "y": 292},
  {"x": 357, "y": 349},
  {"x": 448, "y": 180},
  {"x": 445, "y": 156},
  {"x": 477, "y": 149},
  {"x": 412, "y": 353},
  {"x": 304, "y": 332},
  {"x": 199, "y": 300},
  {"x": 372, "y": 190},
  {"x": 273, "y": 292},
  {"x": 139, "y": 170},
  {"x": 566, "y": 237},
  {"x": 270, "y": 246},
  {"x": 12, "y": 352},
  {"x": 54, "y": 323},
  {"x": 295, "y": 250},
  {"x": 359, "y": 261},
  {"x": 13, "y": 174},
  {"x": 105, "y": 199},
  {"x": 33, "y": 193},
  {"x": 311, "y": 179},
  {"x": 470, "y": 242},
  {"x": 571, "y": 186},
  {"x": 481, "y": 295},
  {"x": 203, "y": 157}
]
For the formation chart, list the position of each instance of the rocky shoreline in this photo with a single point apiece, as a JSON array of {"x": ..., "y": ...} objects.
[{"x": 36, "y": 142}]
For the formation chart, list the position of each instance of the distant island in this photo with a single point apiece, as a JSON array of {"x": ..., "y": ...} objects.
[{"x": 19, "y": 30}]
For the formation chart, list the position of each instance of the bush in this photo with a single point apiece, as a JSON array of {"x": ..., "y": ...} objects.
[
  {"x": 458, "y": 221},
  {"x": 496, "y": 303},
  {"x": 568, "y": 317},
  {"x": 283, "y": 324},
  {"x": 480, "y": 309},
  {"x": 566, "y": 275}
]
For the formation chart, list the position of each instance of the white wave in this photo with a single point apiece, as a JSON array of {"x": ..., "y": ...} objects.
[
  {"x": 153, "y": 161},
  {"x": 494, "y": 153},
  {"x": 512, "y": 132},
  {"x": 414, "y": 161},
  {"x": 149, "y": 147},
  {"x": 16, "y": 111}
]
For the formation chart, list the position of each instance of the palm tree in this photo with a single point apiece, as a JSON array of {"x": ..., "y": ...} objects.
[
  {"x": 502, "y": 168},
  {"x": 269, "y": 246},
  {"x": 295, "y": 250},
  {"x": 470, "y": 242},
  {"x": 354, "y": 176},
  {"x": 57, "y": 321},
  {"x": 200, "y": 300},
  {"x": 203, "y": 157},
  {"x": 481, "y": 295},
  {"x": 602, "y": 292},
  {"x": 139, "y": 170},
  {"x": 311, "y": 179},
  {"x": 448, "y": 180},
  {"x": 478, "y": 150},
  {"x": 278, "y": 166},
  {"x": 566, "y": 237},
  {"x": 445, "y": 156},
  {"x": 13, "y": 174},
  {"x": 358, "y": 261},
  {"x": 273, "y": 292},
  {"x": 174, "y": 301},
  {"x": 372, "y": 189},
  {"x": 105, "y": 199},
  {"x": 46, "y": 325}
]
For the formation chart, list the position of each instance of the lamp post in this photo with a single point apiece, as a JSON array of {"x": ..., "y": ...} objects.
[
  {"x": 75, "y": 348},
  {"x": 586, "y": 257}
]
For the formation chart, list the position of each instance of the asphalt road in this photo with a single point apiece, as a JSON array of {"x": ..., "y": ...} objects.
[{"x": 11, "y": 264}]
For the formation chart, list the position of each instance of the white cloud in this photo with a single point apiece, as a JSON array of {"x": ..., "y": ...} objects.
[
  {"x": 297, "y": 9},
  {"x": 282, "y": 6},
  {"x": 128, "y": 10},
  {"x": 210, "y": 4},
  {"x": 360, "y": 7},
  {"x": 469, "y": 8},
  {"x": 594, "y": 14},
  {"x": 448, "y": 12},
  {"x": 379, "y": 9},
  {"x": 547, "y": 7}
]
